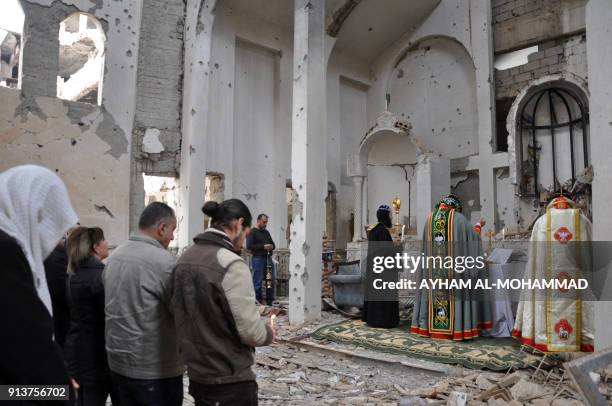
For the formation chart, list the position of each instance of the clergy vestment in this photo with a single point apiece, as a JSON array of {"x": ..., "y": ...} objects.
[
  {"x": 557, "y": 320},
  {"x": 456, "y": 314}
]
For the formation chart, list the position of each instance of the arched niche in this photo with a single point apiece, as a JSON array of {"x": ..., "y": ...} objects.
[
  {"x": 574, "y": 89},
  {"x": 390, "y": 140},
  {"x": 571, "y": 85},
  {"x": 433, "y": 85}
]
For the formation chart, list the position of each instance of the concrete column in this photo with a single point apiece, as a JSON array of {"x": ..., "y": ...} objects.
[
  {"x": 358, "y": 217},
  {"x": 433, "y": 183},
  {"x": 364, "y": 207},
  {"x": 599, "y": 56},
  {"x": 482, "y": 53},
  {"x": 308, "y": 169},
  {"x": 196, "y": 84}
]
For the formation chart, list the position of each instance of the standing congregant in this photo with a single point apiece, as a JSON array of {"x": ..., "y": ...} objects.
[
  {"x": 84, "y": 351},
  {"x": 35, "y": 212},
  {"x": 380, "y": 309},
  {"x": 449, "y": 313},
  {"x": 217, "y": 319},
  {"x": 141, "y": 341},
  {"x": 262, "y": 246}
]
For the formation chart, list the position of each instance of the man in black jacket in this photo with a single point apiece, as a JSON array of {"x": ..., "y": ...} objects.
[{"x": 261, "y": 245}]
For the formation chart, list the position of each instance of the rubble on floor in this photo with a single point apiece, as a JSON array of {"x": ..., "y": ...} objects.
[{"x": 304, "y": 373}]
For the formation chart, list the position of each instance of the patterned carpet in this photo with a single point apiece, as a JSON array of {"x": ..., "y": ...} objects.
[{"x": 496, "y": 354}]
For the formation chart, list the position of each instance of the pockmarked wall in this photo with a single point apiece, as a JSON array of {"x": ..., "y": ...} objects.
[
  {"x": 85, "y": 144},
  {"x": 249, "y": 116}
]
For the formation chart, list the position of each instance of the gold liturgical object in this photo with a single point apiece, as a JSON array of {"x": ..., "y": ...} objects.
[{"x": 397, "y": 204}]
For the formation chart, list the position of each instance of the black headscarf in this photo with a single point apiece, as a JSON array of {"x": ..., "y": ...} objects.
[{"x": 383, "y": 214}]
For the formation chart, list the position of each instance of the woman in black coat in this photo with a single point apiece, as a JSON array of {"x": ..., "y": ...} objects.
[
  {"x": 84, "y": 347},
  {"x": 380, "y": 307}
]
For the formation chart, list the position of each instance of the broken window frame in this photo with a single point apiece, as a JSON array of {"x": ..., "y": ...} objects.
[
  {"x": 567, "y": 97},
  {"x": 16, "y": 79},
  {"x": 102, "y": 49}
]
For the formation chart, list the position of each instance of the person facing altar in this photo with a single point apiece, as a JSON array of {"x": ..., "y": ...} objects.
[
  {"x": 380, "y": 310},
  {"x": 557, "y": 320},
  {"x": 447, "y": 313}
]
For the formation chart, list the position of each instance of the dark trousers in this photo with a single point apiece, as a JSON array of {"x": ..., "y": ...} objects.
[
  {"x": 149, "y": 392},
  {"x": 260, "y": 265},
  {"x": 96, "y": 395},
  {"x": 231, "y": 394}
]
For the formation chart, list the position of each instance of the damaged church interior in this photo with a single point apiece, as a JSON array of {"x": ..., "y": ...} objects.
[{"x": 319, "y": 113}]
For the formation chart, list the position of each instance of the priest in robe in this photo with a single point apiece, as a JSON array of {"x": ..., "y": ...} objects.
[
  {"x": 380, "y": 309},
  {"x": 440, "y": 313},
  {"x": 557, "y": 320}
]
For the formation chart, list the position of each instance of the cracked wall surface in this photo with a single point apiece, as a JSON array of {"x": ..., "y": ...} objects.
[
  {"x": 82, "y": 143},
  {"x": 86, "y": 145}
]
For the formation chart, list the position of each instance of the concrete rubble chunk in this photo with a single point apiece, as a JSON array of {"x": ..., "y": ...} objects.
[
  {"x": 413, "y": 401},
  {"x": 483, "y": 383},
  {"x": 566, "y": 402},
  {"x": 497, "y": 402},
  {"x": 541, "y": 402},
  {"x": 524, "y": 390},
  {"x": 457, "y": 399}
]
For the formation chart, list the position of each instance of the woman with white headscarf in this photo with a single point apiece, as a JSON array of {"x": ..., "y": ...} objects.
[{"x": 35, "y": 212}]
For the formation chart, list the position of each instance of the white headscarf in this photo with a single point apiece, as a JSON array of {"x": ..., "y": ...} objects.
[{"x": 35, "y": 210}]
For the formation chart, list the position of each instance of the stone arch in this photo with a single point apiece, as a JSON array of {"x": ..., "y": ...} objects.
[{"x": 387, "y": 124}]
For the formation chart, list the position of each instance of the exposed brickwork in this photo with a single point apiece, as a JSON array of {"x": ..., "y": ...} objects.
[
  {"x": 159, "y": 85},
  {"x": 557, "y": 56},
  {"x": 520, "y": 23}
]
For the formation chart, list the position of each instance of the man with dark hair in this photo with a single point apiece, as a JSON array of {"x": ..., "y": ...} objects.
[
  {"x": 141, "y": 340},
  {"x": 261, "y": 245}
]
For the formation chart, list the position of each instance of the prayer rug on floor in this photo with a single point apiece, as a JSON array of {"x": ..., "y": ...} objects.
[{"x": 496, "y": 354}]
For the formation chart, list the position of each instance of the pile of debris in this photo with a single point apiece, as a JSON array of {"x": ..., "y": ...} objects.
[
  {"x": 552, "y": 387},
  {"x": 296, "y": 370},
  {"x": 301, "y": 376}
]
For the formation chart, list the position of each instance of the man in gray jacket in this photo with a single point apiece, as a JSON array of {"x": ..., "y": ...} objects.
[{"x": 141, "y": 338}]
